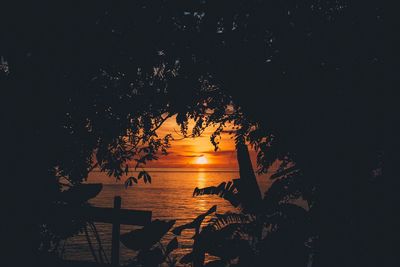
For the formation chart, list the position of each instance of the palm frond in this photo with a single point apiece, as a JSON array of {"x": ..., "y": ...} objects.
[
  {"x": 222, "y": 220},
  {"x": 196, "y": 223},
  {"x": 225, "y": 190}
]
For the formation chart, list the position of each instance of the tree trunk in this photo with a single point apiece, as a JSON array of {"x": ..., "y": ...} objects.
[{"x": 249, "y": 191}]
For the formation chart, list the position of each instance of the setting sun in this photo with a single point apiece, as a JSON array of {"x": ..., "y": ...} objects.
[{"x": 201, "y": 160}]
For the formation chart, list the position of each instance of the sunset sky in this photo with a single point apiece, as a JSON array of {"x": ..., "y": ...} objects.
[{"x": 197, "y": 152}]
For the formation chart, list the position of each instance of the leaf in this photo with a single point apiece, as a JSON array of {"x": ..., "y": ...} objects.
[
  {"x": 127, "y": 183},
  {"x": 81, "y": 193},
  {"x": 126, "y": 169},
  {"x": 173, "y": 244},
  {"x": 146, "y": 237},
  {"x": 130, "y": 181},
  {"x": 145, "y": 175},
  {"x": 141, "y": 174},
  {"x": 196, "y": 223},
  {"x": 228, "y": 191},
  {"x": 225, "y": 219}
]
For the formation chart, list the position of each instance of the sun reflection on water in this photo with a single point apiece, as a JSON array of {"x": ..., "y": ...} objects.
[
  {"x": 201, "y": 203},
  {"x": 201, "y": 179}
]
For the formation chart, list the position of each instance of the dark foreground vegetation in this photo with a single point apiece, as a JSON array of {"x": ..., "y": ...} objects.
[{"x": 308, "y": 83}]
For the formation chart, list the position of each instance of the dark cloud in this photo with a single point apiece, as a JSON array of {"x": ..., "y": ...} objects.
[
  {"x": 220, "y": 152},
  {"x": 191, "y": 156}
]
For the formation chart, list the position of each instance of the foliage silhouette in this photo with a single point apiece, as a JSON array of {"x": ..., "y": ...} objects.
[
  {"x": 196, "y": 223},
  {"x": 260, "y": 235},
  {"x": 147, "y": 242},
  {"x": 314, "y": 78},
  {"x": 62, "y": 222},
  {"x": 142, "y": 174},
  {"x": 225, "y": 190},
  {"x": 80, "y": 193},
  {"x": 146, "y": 237}
]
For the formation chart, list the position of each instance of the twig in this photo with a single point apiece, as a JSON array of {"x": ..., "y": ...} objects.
[
  {"x": 90, "y": 244},
  {"x": 96, "y": 234}
]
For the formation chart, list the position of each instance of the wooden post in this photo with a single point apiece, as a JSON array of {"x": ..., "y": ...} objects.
[{"x": 115, "y": 233}]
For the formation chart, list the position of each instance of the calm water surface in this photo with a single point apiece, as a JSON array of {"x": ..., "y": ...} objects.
[{"x": 169, "y": 196}]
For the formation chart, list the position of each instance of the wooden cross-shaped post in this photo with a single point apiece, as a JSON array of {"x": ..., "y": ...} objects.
[
  {"x": 115, "y": 232},
  {"x": 121, "y": 216},
  {"x": 116, "y": 216}
]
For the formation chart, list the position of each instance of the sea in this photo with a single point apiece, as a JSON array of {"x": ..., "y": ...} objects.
[{"x": 169, "y": 197}]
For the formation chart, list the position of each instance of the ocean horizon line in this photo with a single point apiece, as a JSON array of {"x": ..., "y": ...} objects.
[{"x": 162, "y": 169}]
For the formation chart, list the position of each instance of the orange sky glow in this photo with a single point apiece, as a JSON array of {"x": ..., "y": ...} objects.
[{"x": 197, "y": 152}]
